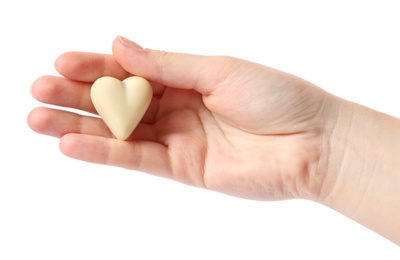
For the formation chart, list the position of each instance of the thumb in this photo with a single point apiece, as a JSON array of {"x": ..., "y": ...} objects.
[{"x": 178, "y": 70}]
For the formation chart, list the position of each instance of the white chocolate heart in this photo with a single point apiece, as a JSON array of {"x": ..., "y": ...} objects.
[{"x": 121, "y": 104}]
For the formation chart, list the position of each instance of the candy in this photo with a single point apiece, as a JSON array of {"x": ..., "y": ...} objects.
[{"x": 121, "y": 104}]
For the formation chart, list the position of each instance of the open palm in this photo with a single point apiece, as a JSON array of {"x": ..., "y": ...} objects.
[{"x": 215, "y": 122}]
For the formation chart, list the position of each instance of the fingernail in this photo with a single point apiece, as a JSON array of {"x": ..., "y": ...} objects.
[{"x": 129, "y": 43}]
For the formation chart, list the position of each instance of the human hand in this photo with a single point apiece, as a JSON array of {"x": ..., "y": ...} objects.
[
  {"x": 235, "y": 127},
  {"x": 220, "y": 123}
]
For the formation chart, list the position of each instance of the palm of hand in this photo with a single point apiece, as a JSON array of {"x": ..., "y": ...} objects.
[{"x": 219, "y": 142}]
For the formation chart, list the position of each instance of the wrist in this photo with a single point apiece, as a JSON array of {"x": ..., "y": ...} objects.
[{"x": 362, "y": 176}]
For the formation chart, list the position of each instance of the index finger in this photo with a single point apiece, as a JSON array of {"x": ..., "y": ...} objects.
[{"x": 87, "y": 66}]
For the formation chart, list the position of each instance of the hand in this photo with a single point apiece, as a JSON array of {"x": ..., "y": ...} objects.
[
  {"x": 214, "y": 122},
  {"x": 235, "y": 127}
]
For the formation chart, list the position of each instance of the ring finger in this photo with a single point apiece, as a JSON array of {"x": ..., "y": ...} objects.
[{"x": 57, "y": 123}]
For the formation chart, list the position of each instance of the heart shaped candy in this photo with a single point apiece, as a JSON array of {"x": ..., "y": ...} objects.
[{"x": 121, "y": 104}]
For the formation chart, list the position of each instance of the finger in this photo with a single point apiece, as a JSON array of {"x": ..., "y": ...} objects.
[
  {"x": 63, "y": 92},
  {"x": 58, "y": 123},
  {"x": 141, "y": 156},
  {"x": 74, "y": 94},
  {"x": 87, "y": 67},
  {"x": 178, "y": 70}
]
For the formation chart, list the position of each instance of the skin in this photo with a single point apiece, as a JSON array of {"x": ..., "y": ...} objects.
[{"x": 235, "y": 127}]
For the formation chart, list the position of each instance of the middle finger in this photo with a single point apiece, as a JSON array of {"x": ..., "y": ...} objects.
[{"x": 75, "y": 94}]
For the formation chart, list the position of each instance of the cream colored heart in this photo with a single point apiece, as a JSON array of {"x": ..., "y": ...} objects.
[{"x": 121, "y": 104}]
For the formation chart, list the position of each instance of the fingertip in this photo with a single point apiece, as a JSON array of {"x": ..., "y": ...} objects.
[
  {"x": 40, "y": 88},
  {"x": 145, "y": 63},
  {"x": 62, "y": 61},
  {"x": 69, "y": 145},
  {"x": 34, "y": 90},
  {"x": 125, "y": 50},
  {"x": 66, "y": 144},
  {"x": 38, "y": 120},
  {"x": 78, "y": 65},
  {"x": 59, "y": 61}
]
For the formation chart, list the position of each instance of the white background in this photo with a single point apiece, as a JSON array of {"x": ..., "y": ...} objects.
[{"x": 54, "y": 207}]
